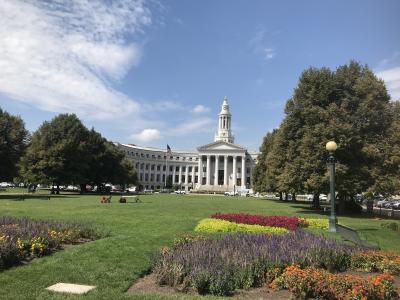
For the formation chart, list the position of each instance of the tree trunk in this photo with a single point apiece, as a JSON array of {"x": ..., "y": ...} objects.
[
  {"x": 82, "y": 188},
  {"x": 286, "y": 197},
  {"x": 341, "y": 204},
  {"x": 294, "y": 197},
  {"x": 58, "y": 189},
  {"x": 52, "y": 188},
  {"x": 280, "y": 196},
  {"x": 316, "y": 203}
]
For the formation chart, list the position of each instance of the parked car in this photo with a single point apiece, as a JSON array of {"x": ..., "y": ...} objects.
[
  {"x": 382, "y": 203},
  {"x": 150, "y": 191},
  {"x": 180, "y": 192},
  {"x": 131, "y": 189},
  {"x": 396, "y": 205},
  {"x": 231, "y": 193}
]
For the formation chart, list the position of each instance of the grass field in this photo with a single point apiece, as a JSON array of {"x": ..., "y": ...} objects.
[{"x": 136, "y": 230}]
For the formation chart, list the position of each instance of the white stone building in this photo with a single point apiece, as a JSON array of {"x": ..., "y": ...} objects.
[{"x": 216, "y": 167}]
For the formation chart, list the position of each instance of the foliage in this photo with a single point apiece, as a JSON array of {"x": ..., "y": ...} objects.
[
  {"x": 221, "y": 265},
  {"x": 318, "y": 283},
  {"x": 291, "y": 223},
  {"x": 349, "y": 105},
  {"x": 376, "y": 261},
  {"x": 216, "y": 225},
  {"x": 13, "y": 141},
  {"x": 21, "y": 239},
  {"x": 64, "y": 151},
  {"x": 315, "y": 223},
  {"x": 391, "y": 225}
]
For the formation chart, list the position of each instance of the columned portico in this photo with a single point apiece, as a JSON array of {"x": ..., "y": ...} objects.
[
  {"x": 225, "y": 170},
  {"x": 234, "y": 171},
  {"x": 243, "y": 180},
  {"x": 216, "y": 170},
  {"x": 208, "y": 170}
]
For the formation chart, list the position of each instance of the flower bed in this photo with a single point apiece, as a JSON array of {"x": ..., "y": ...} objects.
[
  {"x": 215, "y": 225},
  {"x": 290, "y": 223},
  {"x": 235, "y": 261},
  {"x": 21, "y": 239},
  {"x": 376, "y": 261},
  {"x": 319, "y": 283}
]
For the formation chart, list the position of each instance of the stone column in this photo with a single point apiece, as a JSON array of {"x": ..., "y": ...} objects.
[
  {"x": 200, "y": 171},
  {"x": 234, "y": 170},
  {"x": 243, "y": 171},
  {"x": 208, "y": 170},
  {"x": 193, "y": 173},
  {"x": 225, "y": 169},
  {"x": 180, "y": 174},
  {"x": 216, "y": 170},
  {"x": 173, "y": 174},
  {"x": 186, "y": 175}
]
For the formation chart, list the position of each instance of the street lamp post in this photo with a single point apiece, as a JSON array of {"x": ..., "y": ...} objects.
[{"x": 331, "y": 147}]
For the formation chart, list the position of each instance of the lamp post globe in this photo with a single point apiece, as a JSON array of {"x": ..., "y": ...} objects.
[{"x": 331, "y": 146}]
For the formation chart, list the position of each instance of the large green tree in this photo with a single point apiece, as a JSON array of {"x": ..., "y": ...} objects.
[
  {"x": 13, "y": 141},
  {"x": 64, "y": 151},
  {"x": 351, "y": 106}
]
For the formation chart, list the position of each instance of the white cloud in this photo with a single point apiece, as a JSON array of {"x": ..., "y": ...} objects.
[
  {"x": 199, "y": 109},
  {"x": 60, "y": 55},
  {"x": 147, "y": 135},
  {"x": 392, "y": 80},
  {"x": 193, "y": 126},
  {"x": 269, "y": 53}
]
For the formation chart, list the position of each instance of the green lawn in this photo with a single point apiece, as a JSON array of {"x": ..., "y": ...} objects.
[{"x": 136, "y": 231}]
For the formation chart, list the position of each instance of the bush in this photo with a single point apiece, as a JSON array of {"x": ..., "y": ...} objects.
[
  {"x": 315, "y": 223},
  {"x": 215, "y": 225},
  {"x": 392, "y": 226},
  {"x": 291, "y": 223},
  {"x": 24, "y": 238},
  {"x": 376, "y": 261},
  {"x": 236, "y": 261},
  {"x": 319, "y": 283}
]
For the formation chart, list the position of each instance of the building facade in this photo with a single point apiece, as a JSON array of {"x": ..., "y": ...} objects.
[{"x": 216, "y": 167}]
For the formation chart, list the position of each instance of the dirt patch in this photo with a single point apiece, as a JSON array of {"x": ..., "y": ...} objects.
[{"x": 148, "y": 285}]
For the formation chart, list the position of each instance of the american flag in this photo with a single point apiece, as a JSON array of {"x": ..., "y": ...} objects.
[{"x": 169, "y": 150}]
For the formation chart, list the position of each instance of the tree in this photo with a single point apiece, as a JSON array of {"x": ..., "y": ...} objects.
[
  {"x": 13, "y": 142},
  {"x": 64, "y": 151},
  {"x": 350, "y": 106}
]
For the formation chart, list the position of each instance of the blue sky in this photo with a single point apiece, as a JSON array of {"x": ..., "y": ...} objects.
[{"x": 153, "y": 73}]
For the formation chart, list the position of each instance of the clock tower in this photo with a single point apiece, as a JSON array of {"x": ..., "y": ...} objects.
[{"x": 224, "y": 124}]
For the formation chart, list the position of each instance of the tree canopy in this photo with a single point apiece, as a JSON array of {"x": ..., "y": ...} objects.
[
  {"x": 349, "y": 105},
  {"x": 13, "y": 141},
  {"x": 64, "y": 151}
]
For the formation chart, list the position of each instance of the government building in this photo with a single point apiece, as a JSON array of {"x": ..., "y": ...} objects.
[{"x": 216, "y": 167}]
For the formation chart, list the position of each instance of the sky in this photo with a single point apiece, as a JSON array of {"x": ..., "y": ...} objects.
[{"x": 153, "y": 73}]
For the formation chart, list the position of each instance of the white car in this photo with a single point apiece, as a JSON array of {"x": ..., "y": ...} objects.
[
  {"x": 132, "y": 189},
  {"x": 231, "y": 193},
  {"x": 180, "y": 192}
]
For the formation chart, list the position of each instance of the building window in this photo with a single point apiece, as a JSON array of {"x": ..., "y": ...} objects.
[
  {"x": 204, "y": 169},
  {"x": 177, "y": 169},
  {"x": 141, "y": 166},
  {"x": 183, "y": 169},
  {"x": 196, "y": 179},
  {"x": 158, "y": 178},
  {"x": 151, "y": 177},
  {"x": 158, "y": 167},
  {"x": 147, "y": 155},
  {"x": 189, "y": 178},
  {"x": 248, "y": 170},
  {"x": 163, "y": 178},
  {"x": 196, "y": 169},
  {"x": 159, "y": 157},
  {"x": 176, "y": 178},
  {"x": 146, "y": 177},
  {"x": 177, "y": 158},
  {"x": 183, "y": 178},
  {"x": 171, "y": 168},
  {"x": 141, "y": 176},
  {"x": 164, "y": 167},
  {"x": 190, "y": 169}
]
